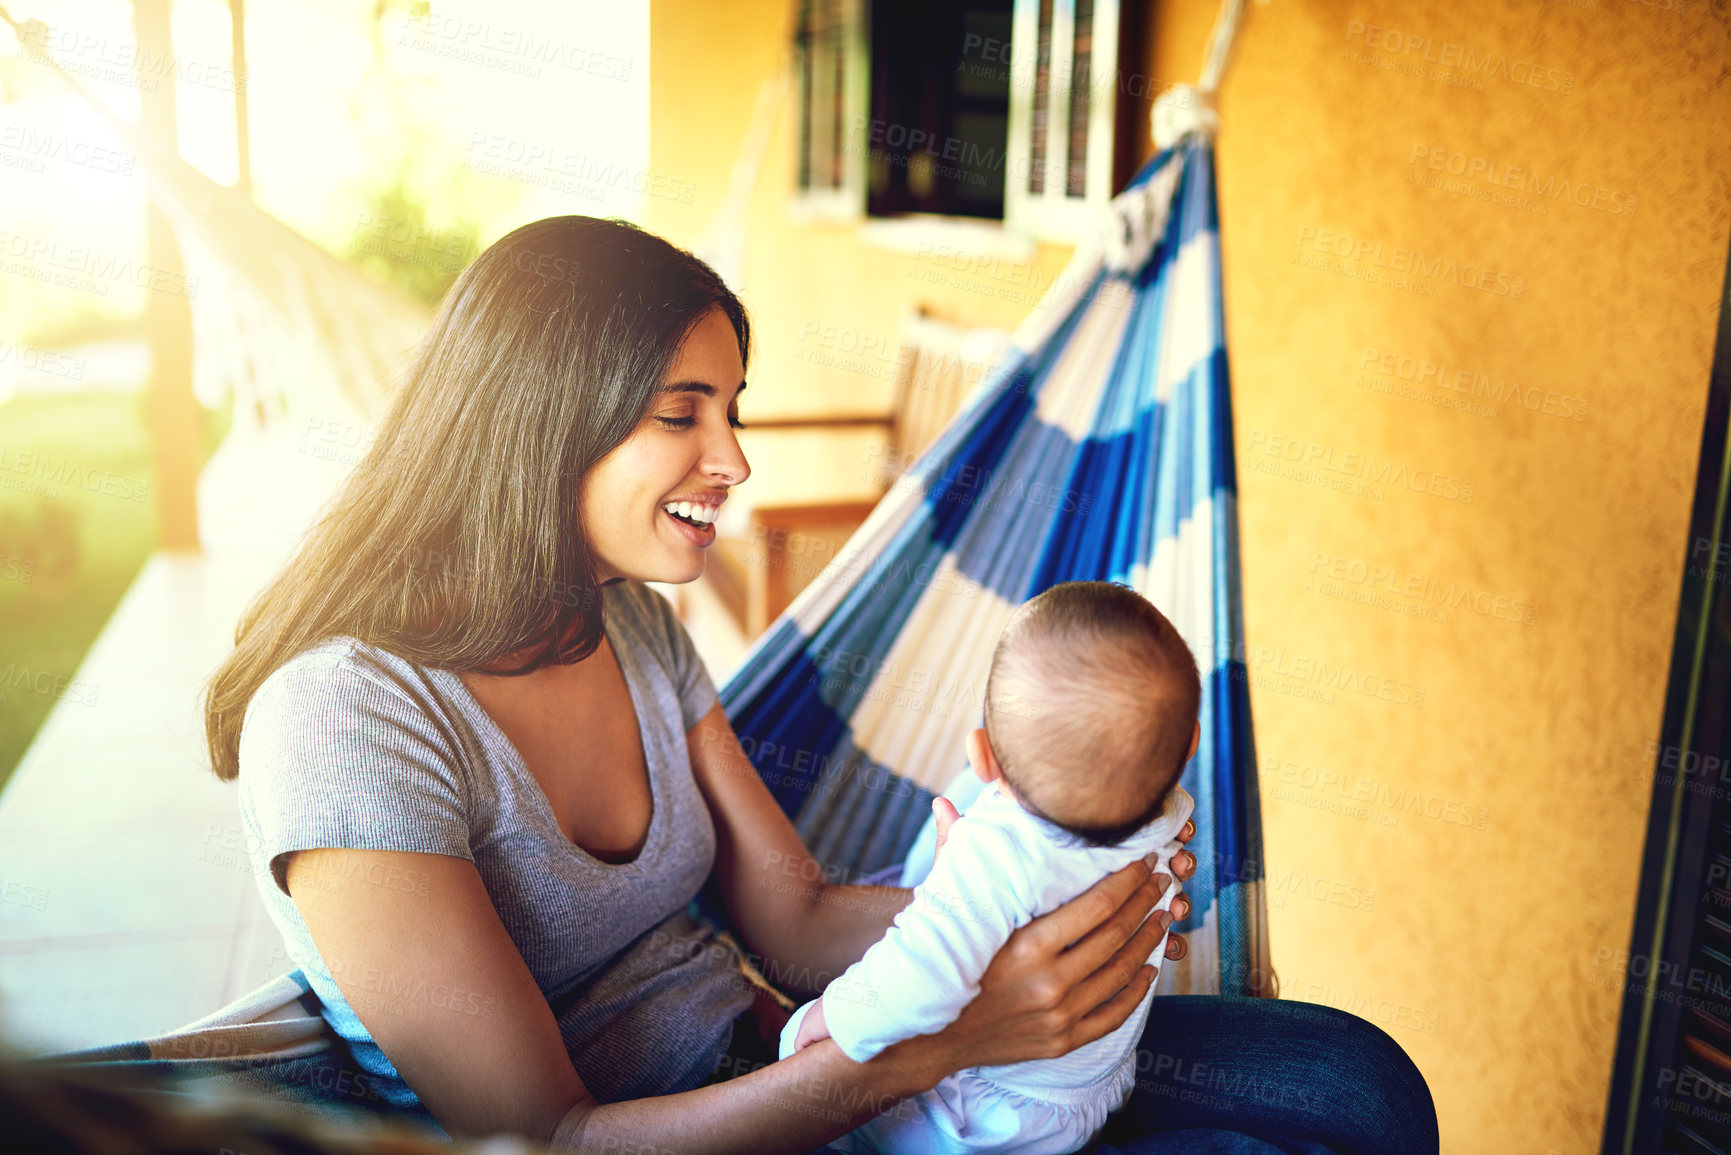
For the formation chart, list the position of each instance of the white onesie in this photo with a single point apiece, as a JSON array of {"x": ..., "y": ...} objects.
[{"x": 1000, "y": 868}]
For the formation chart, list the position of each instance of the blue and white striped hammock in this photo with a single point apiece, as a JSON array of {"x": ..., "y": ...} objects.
[{"x": 1098, "y": 448}]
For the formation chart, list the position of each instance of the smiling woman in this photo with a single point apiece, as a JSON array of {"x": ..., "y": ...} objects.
[
  {"x": 674, "y": 474},
  {"x": 454, "y": 542},
  {"x": 461, "y": 677}
]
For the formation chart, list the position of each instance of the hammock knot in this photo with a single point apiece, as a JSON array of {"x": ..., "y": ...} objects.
[
  {"x": 1137, "y": 220},
  {"x": 1182, "y": 110}
]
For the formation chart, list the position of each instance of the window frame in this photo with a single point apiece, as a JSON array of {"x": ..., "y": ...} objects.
[
  {"x": 846, "y": 201},
  {"x": 1053, "y": 214}
]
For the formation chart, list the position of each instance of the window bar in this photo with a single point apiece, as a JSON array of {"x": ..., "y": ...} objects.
[
  {"x": 807, "y": 46},
  {"x": 836, "y": 29},
  {"x": 1042, "y": 102},
  {"x": 1081, "y": 61}
]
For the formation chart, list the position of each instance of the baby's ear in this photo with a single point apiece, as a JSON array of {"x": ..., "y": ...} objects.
[
  {"x": 1195, "y": 740},
  {"x": 980, "y": 757}
]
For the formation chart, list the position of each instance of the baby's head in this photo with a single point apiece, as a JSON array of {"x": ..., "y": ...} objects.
[{"x": 1091, "y": 709}]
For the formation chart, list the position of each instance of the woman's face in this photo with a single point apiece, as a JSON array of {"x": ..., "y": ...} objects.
[{"x": 681, "y": 460}]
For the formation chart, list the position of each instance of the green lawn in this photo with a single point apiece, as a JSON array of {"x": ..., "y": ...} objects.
[{"x": 77, "y": 520}]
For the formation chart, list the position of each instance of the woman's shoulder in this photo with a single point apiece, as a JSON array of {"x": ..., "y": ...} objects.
[
  {"x": 336, "y": 666},
  {"x": 347, "y": 710},
  {"x": 343, "y": 684},
  {"x": 347, "y": 745}
]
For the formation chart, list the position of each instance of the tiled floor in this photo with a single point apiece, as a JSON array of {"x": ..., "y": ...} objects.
[{"x": 127, "y": 906}]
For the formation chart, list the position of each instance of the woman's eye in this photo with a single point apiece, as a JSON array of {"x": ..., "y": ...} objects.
[{"x": 688, "y": 422}]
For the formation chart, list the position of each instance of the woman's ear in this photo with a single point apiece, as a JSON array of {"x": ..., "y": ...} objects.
[{"x": 981, "y": 758}]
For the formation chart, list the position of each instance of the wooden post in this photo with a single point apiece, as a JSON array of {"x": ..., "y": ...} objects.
[
  {"x": 176, "y": 421},
  {"x": 242, "y": 130}
]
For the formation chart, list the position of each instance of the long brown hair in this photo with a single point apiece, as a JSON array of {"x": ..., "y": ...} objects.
[{"x": 456, "y": 540}]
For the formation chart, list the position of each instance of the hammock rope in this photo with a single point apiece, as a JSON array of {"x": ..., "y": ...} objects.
[
  {"x": 1185, "y": 109},
  {"x": 276, "y": 318}
]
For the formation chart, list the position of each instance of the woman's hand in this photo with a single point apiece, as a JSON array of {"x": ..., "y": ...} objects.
[{"x": 1074, "y": 975}]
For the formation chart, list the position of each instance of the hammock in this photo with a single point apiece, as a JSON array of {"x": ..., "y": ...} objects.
[{"x": 1099, "y": 448}]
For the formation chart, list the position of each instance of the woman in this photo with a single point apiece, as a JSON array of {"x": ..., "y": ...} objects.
[{"x": 484, "y": 771}]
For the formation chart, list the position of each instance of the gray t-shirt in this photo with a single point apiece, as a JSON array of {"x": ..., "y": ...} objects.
[{"x": 349, "y": 746}]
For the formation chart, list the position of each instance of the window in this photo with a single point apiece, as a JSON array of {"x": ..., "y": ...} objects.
[
  {"x": 830, "y": 62},
  {"x": 1062, "y": 106},
  {"x": 939, "y": 108},
  {"x": 986, "y": 110}
]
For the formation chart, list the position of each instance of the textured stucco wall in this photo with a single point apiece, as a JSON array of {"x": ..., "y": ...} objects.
[
  {"x": 1484, "y": 950},
  {"x": 1453, "y": 823}
]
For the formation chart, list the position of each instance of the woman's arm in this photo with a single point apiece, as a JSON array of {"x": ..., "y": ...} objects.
[
  {"x": 502, "y": 1067},
  {"x": 806, "y": 928},
  {"x": 440, "y": 987},
  {"x": 442, "y": 990},
  {"x": 781, "y": 899}
]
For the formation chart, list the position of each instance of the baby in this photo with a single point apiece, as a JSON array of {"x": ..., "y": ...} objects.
[{"x": 1091, "y": 713}]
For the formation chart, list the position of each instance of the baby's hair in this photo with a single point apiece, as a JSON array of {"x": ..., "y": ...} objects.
[{"x": 1091, "y": 703}]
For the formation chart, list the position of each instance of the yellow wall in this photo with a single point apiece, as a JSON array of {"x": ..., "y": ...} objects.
[{"x": 1486, "y": 951}]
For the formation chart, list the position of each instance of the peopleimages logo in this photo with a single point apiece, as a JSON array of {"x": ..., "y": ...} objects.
[
  {"x": 1372, "y": 579},
  {"x": 1417, "y": 48},
  {"x": 968, "y": 154},
  {"x": 519, "y": 50},
  {"x": 1404, "y": 259},
  {"x": 117, "y": 60},
  {"x": 1337, "y": 786},
  {"x": 54, "y": 146},
  {"x": 42, "y": 361},
  {"x": 1437, "y": 374},
  {"x": 1358, "y": 467},
  {"x": 87, "y": 270},
  {"x": 1265, "y": 662},
  {"x": 63, "y": 472},
  {"x": 1520, "y": 179}
]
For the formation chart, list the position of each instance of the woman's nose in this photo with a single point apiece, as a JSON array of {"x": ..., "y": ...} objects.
[{"x": 725, "y": 461}]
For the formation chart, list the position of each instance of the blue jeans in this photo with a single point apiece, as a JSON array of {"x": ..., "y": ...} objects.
[{"x": 1239, "y": 1076}]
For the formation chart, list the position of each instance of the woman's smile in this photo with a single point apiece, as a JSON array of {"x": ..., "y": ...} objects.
[{"x": 693, "y": 516}]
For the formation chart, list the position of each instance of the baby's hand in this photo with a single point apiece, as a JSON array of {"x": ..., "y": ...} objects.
[{"x": 811, "y": 1028}]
